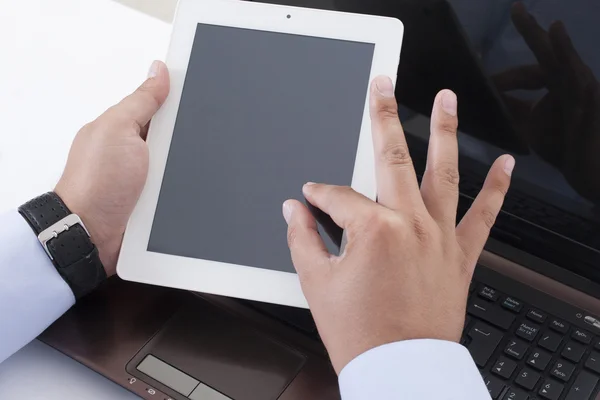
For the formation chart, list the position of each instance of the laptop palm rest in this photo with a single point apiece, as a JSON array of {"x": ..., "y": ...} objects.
[{"x": 205, "y": 353}]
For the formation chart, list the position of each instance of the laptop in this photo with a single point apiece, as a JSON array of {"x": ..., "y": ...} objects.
[{"x": 533, "y": 313}]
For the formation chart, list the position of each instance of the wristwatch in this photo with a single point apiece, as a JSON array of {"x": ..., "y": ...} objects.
[{"x": 67, "y": 242}]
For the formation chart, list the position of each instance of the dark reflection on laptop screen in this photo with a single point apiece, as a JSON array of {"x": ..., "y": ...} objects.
[{"x": 527, "y": 78}]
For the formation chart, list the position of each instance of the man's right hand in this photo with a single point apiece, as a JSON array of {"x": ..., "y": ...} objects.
[{"x": 405, "y": 271}]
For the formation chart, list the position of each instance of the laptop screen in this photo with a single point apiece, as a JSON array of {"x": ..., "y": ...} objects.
[{"x": 526, "y": 85}]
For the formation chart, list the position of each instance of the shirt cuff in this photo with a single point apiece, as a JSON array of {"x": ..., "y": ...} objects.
[
  {"x": 32, "y": 293},
  {"x": 413, "y": 369}
]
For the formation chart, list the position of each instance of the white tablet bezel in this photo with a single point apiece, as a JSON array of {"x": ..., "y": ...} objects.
[{"x": 138, "y": 264}]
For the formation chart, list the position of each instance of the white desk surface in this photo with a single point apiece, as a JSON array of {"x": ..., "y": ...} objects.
[{"x": 63, "y": 63}]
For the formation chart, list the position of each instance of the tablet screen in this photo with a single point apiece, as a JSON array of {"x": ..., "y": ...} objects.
[{"x": 261, "y": 113}]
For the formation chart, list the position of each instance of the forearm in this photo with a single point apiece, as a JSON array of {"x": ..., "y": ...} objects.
[
  {"x": 32, "y": 293},
  {"x": 413, "y": 369}
]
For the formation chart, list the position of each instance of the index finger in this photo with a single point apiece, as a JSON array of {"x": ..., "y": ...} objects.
[
  {"x": 341, "y": 203},
  {"x": 397, "y": 184}
]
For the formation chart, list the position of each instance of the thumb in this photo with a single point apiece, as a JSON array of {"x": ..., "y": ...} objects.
[
  {"x": 308, "y": 251},
  {"x": 140, "y": 106}
]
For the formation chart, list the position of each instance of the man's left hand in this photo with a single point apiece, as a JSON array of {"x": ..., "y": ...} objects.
[{"x": 108, "y": 164}]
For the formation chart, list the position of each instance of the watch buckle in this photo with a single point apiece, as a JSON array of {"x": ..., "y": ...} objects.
[{"x": 57, "y": 228}]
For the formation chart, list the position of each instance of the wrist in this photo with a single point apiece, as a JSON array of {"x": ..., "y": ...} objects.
[
  {"x": 67, "y": 242},
  {"x": 107, "y": 243}
]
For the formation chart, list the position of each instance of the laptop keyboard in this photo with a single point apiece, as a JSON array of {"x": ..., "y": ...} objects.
[
  {"x": 525, "y": 353},
  {"x": 522, "y": 351}
]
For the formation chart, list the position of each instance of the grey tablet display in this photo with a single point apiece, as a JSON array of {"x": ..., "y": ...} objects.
[{"x": 261, "y": 113}]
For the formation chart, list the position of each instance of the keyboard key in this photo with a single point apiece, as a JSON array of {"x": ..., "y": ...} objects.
[
  {"x": 562, "y": 370},
  {"x": 484, "y": 340},
  {"x": 512, "y": 304},
  {"x": 504, "y": 367},
  {"x": 573, "y": 351},
  {"x": 536, "y": 316},
  {"x": 472, "y": 287},
  {"x": 527, "y": 330},
  {"x": 551, "y": 389},
  {"x": 550, "y": 341},
  {"x": 515, "y": 394},
  {"x": 516, "y": 348},
  {"x": 582, "y": 387},
  {"x": 559, "y": 326},
  {"x": 593, "y": 362},
  {"x": 488, "y": 293},
  {"x": 491, "y": 313},
  {"x": 527, "y": 378},
  {"x": 597, "y": 344},
  {"x": 494, "y": 386},
  {"x": 539, "y": 359},
  {"x": 581, "y": 336}
]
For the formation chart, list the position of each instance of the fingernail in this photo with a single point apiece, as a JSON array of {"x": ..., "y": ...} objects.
[
  {"x": 449, "y": 102},
  {"x": 509, "y": 165},
  {"x": 153, "y": 71},
  {"x": 287, "y": 211},
  {"x": 384, "y": 86},
  {"x": 307, "y": 186}
]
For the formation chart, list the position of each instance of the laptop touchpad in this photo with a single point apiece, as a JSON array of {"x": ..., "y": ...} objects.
[{"x": 206, "y": 353}]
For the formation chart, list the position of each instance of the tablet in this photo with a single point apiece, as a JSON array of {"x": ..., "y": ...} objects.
[{"x": 263, "y": 99}]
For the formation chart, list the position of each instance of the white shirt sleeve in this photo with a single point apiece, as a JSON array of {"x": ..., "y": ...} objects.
[
  {"x": 32, "y": 293},
  {"x": 413, "y": 369}
]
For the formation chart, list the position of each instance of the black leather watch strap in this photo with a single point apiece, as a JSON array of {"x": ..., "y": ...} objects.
[{"x": 70, "y": 247}]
